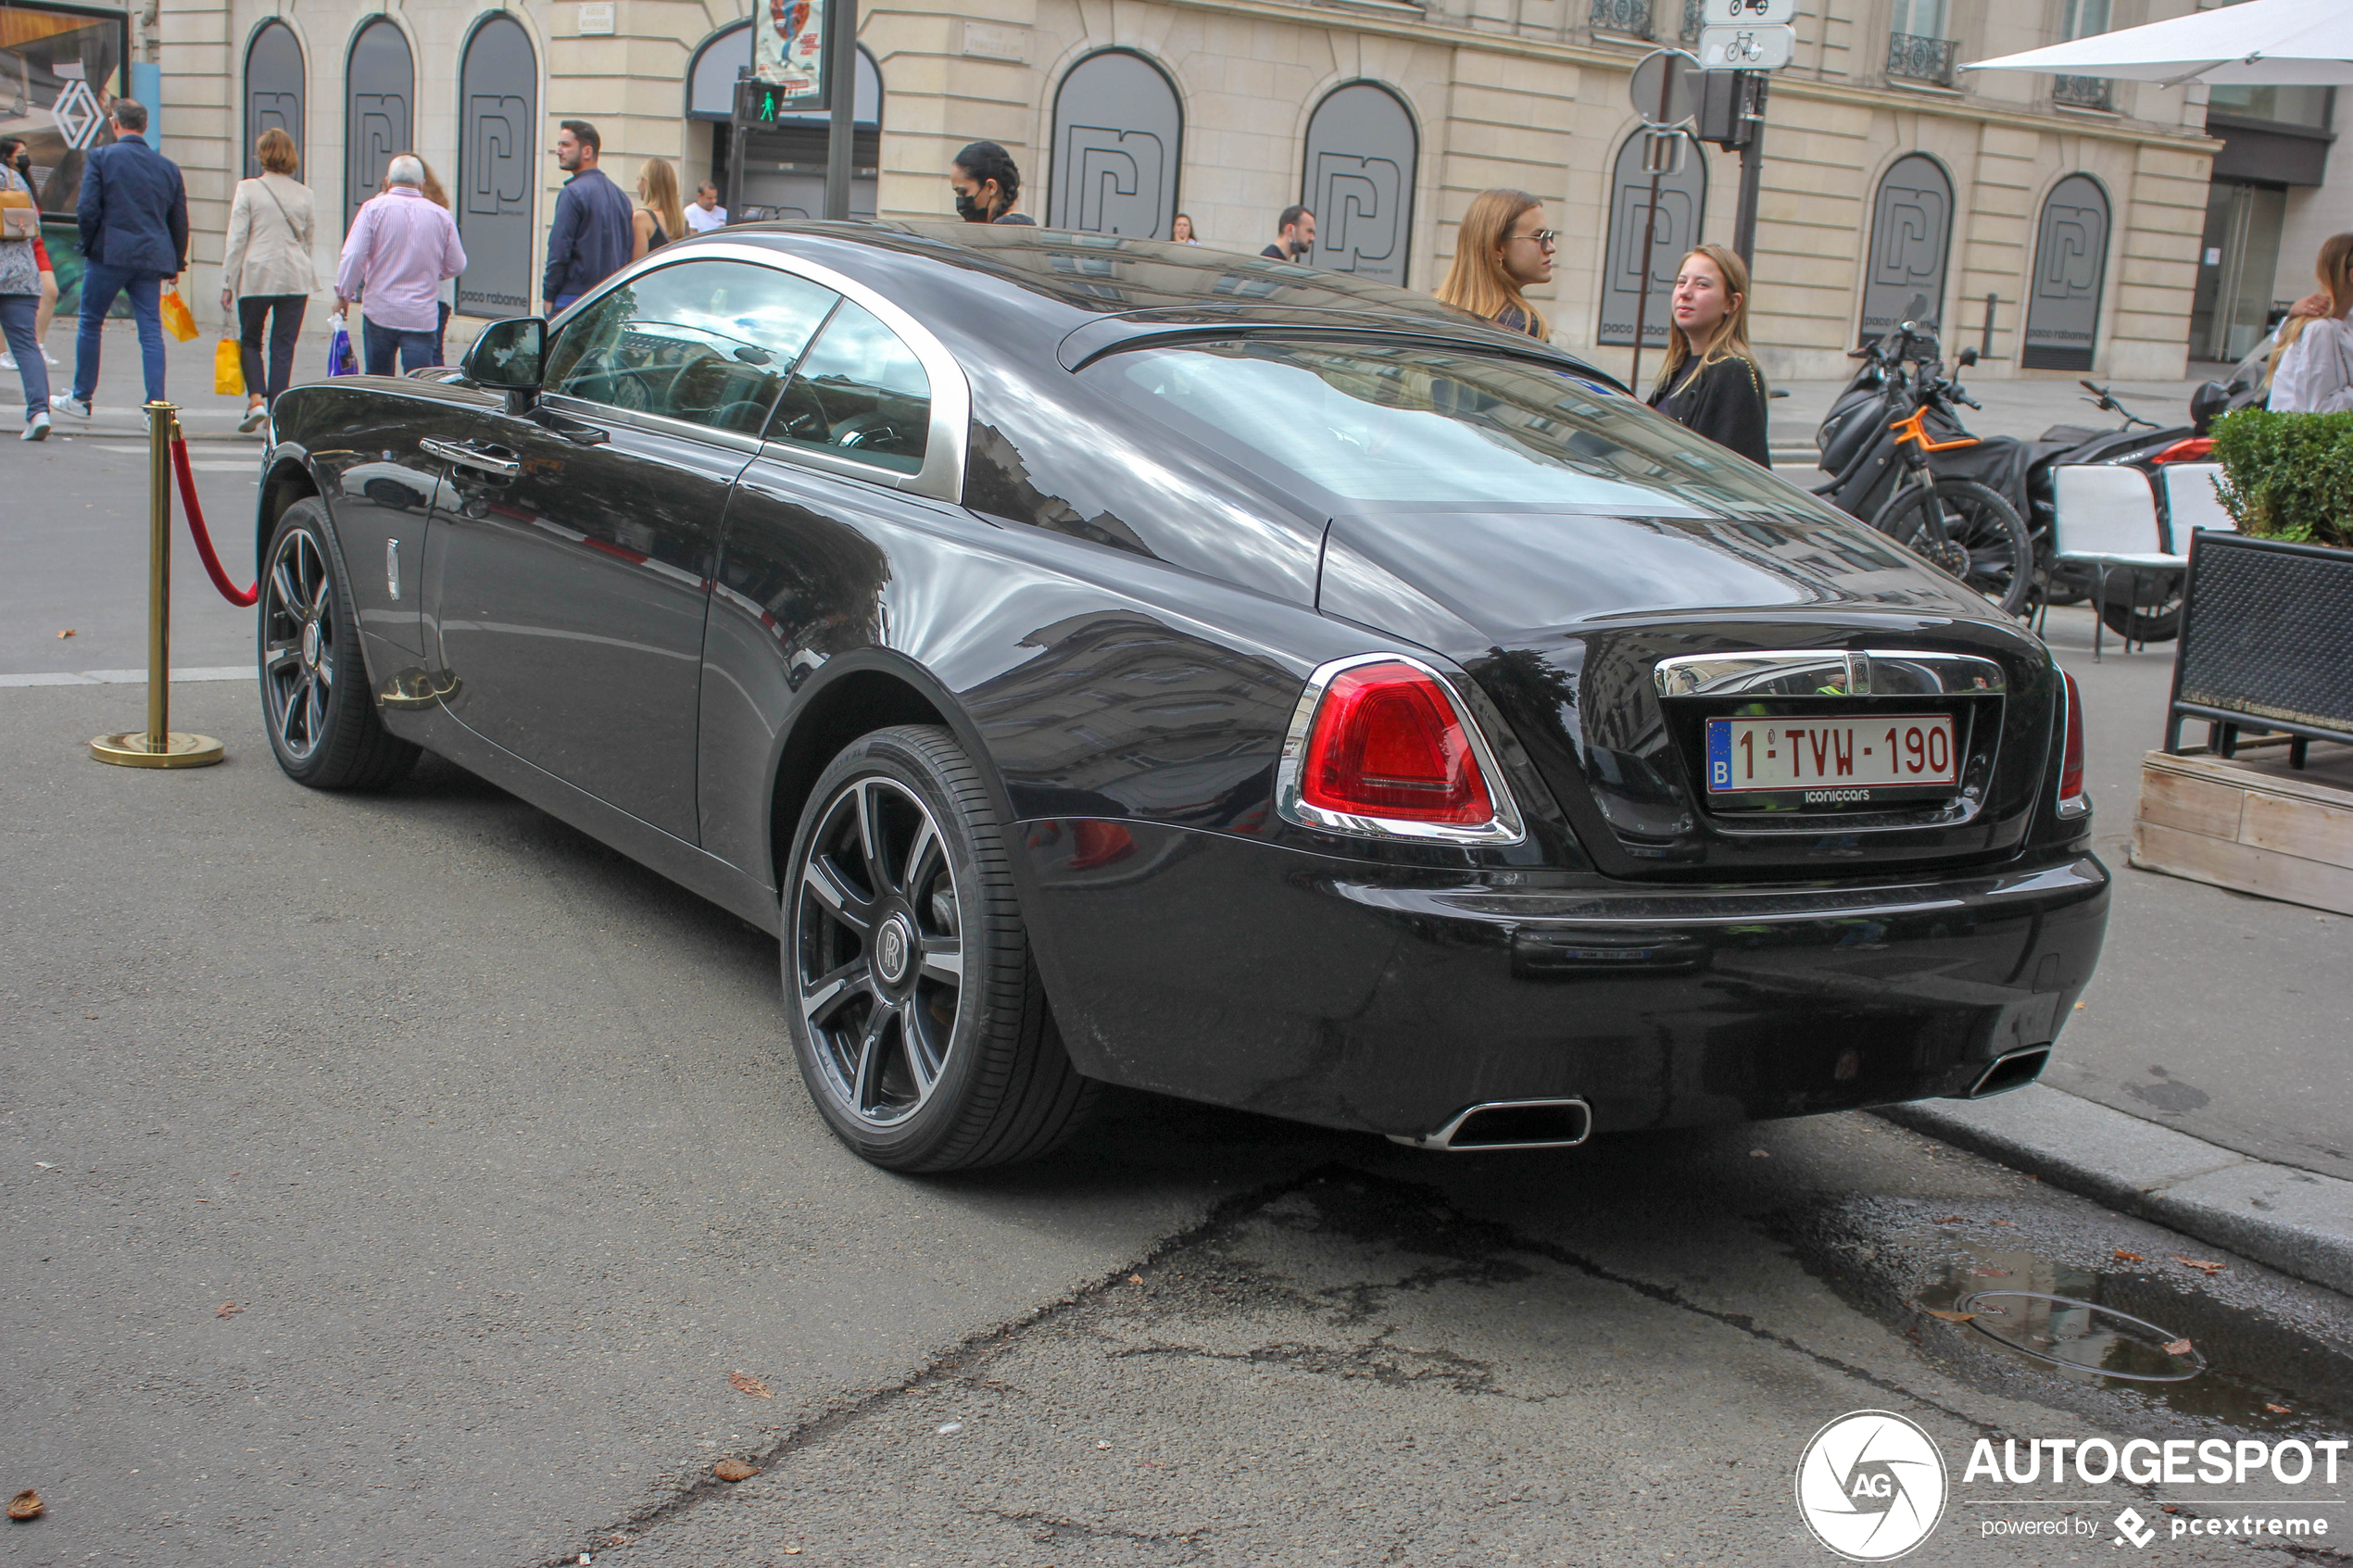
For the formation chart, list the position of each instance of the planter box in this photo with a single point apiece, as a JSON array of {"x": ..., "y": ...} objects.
[
  {"x": 2266, "y": 642},
  {"x": 2253, "y": 822}
]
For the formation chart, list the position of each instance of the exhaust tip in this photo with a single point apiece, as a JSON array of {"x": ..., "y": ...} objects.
[
  {"x": 1511, "y": 1124},
  {"x": 2014, "y": 1071}
]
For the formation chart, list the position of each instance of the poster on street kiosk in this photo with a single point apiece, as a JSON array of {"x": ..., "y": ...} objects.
[{"x": 790, "y": 50}]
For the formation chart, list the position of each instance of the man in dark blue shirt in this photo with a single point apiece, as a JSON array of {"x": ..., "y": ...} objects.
[
  {"x": 133, "y": 211},
  {"x": 593, "y": 235}
]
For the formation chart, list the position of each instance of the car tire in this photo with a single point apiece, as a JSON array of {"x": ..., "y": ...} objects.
[
  {"x": 315, "y": 701},
  {"x": 911, "y": 994}
]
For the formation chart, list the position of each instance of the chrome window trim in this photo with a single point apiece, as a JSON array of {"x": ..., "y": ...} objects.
[
  {"x": 1506, "y": 827},
  {"x": 591, "y": 412},
  {"x": 1740, "y": 671},
  {"x": 942, "y": 474}
]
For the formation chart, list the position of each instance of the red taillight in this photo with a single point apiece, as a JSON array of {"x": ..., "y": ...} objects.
[
  {"x": 2189, "y": 449},
  {"x": 1387, "y": 743},
  {"x": 2070, "y": 790}
]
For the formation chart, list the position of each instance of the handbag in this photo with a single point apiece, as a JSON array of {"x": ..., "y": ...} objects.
[
  {"x": 177, "y": 319},
  {"x": 228, "y": 369},
  {"x": 20, "y": 219}
]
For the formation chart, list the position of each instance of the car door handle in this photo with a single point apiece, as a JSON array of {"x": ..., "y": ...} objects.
[{"x": 466, "y": 454}]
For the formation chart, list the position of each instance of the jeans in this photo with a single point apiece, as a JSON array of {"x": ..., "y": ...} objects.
[
  {"x": 283, "y": 312},
  {"x": 100, "y": 283},
  {"x": 417, "y": 349},
  {"x": 17, "y": 313}
]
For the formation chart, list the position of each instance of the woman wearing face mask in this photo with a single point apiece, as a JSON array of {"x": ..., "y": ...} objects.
[
  {"x": 21, "y": 292},
  {"x": 1501, "y": 250},
  {"x": 1711, "y": 382},
  {"x": 16, "y": 156},
  {"x": 988, "y": 183}
]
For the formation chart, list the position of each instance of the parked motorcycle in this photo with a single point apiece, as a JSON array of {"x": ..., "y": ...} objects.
[{"x": 1901, "y": 460}]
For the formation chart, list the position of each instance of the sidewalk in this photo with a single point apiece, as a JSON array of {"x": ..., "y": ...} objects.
[{"x": 205, "y": 415}]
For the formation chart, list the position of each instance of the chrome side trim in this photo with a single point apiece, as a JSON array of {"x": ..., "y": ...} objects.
[
  {"x": 467, "y": 456},
  {"x": 1444, "y": 1138},
  {"x": 1506, "y": 826},
  {"x": 942, "y": 475},
  {"x": 1830, "y": 672}
]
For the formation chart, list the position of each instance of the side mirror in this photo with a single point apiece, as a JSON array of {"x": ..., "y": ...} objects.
[
  {"x": 510, "y": 356},
  {"x": 2205, "y": 403},
  {"x": 1969, "y": 357}
]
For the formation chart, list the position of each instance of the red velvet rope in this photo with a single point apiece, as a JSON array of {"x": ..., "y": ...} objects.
[{"x": 204, "y": 538}]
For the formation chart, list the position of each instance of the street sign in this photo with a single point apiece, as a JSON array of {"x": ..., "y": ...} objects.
[
  {"x": 1665, "y": 88},
  {"x": 1747, "y": 13},
  {"x": 1744, "y": 48}
]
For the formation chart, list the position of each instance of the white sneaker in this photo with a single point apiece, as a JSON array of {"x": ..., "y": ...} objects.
[
  {"x": 54, "y": 360},
  {"x": 36, "y": 427},
  {"x": 255, "y": 416},
  {"x": 67, "y": 403},
  {"x": 7, "y": 361}
]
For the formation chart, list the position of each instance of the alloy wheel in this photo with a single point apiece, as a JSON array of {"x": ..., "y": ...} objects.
[
  {"x": 878, "y": 964},
  {"x": 298, "y": 663}
]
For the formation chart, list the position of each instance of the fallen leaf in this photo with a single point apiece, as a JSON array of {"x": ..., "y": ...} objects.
[
  {"x": 2171, "y": 1508},
  {"x": 743, "y": 1383},
  {"x": 2209, "y": 1270},
  {"x": 1132, "y": 1279},
  {"x": 2079, "y": 1007},
  {"x": 1953, "y": 1220},
  {"x": 25, "y": 1504},
  {"x": 228, "y": 1309},
  {"x": 2005, "y": 1222},
  {"x": 2177, "y": 1347},
  {"x": 792, "y": 1551},
  {"x": 2276, "y": 1409},
  {"x": 734, "y": 1470},
  {"x": 2123, "y": 1257},
  {"x": 43, "y": 1165},
  {"x": 1948, "y": 1317},
  {"x": 1760, "y": 1154},
  {"x": 64, "y": 635}
]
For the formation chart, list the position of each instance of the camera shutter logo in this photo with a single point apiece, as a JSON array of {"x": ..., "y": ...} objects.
[{"x": 1871, "y": 1485}]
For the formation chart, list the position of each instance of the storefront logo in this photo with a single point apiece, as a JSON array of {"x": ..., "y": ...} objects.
[
  {"x": 78, "y": 114},
  {"x": 1871, "y": 1485}
]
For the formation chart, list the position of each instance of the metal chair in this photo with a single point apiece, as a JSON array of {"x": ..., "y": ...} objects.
[{"x": 2105, "y": 517}]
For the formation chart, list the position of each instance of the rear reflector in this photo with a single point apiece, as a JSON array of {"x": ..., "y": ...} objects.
[
  {"x": 2189, "y": 449},
  {"x": 1387, "y": 743}
]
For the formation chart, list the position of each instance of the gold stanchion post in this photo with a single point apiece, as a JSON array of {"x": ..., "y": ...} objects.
[{"x": 159, "y": 746}]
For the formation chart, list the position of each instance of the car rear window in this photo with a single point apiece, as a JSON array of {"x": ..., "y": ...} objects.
[{"x": 1371, "y": 424}]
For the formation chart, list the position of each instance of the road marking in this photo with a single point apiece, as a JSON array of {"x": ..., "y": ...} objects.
[
  {"x": 130, "y": 677},
  {"x": 202, "y": 465}
]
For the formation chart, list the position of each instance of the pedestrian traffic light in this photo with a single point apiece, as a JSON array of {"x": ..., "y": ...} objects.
[
  {"x": 760, "y": 102},
  {"x": 1725, "y": 108}
]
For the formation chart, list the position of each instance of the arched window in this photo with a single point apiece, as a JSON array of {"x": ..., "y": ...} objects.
[
  {"x": 1673, "y": 228},
  {"x": 497, "y": 105},
  {"x": 379, "y": 85},
  {"x": 1360, "y": 150},
  {"x": 273, "y": 87},
  {"x": 2071, "y": 263},
  {"x": 1911, "y": 236},
  {"x": 1118, "y": 130}
]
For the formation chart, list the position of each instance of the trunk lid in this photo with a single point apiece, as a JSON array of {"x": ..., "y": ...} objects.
[{"x": 1565, "y": 618}]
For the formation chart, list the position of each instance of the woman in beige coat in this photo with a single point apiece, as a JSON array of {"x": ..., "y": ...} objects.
[{"x": 268, "y": 274}]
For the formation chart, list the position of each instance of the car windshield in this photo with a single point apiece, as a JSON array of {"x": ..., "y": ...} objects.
[{"x": 1409, "y": 425}]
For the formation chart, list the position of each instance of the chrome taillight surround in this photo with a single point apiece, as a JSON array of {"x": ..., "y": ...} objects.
[{"x": 1504, "y": 826}]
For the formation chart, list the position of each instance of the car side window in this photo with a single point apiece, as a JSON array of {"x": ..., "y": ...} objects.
[
  {"x": 859, "y": 392},
  {"x": 710, "y": 342}
]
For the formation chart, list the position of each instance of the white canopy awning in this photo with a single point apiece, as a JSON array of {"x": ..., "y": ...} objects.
[{"x": 2260, "y": 42}]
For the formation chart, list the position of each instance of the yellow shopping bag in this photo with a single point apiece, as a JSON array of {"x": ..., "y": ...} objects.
[
  {"x": 228, "y": 369},
  {"x": 176, "y": 318}
]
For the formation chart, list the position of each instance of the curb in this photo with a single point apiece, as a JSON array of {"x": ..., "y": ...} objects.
[{"x": 2298, "y": 1222}]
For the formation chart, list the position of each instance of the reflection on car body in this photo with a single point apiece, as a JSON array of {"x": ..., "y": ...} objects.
[{"x": 1105, "y": 661}]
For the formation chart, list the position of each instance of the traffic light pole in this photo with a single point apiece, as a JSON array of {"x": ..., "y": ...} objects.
[
  {"x": 1752, "y": 110},
  {"x": 841, "y": 64}
]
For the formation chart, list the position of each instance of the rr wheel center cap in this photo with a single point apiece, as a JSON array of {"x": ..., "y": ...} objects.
[
  {"x": 894, "y": 949},
  {"x": 310, "y": 644}
]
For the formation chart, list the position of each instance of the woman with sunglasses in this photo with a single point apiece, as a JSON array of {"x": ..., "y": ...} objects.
[{"x": 1501, "y": 250}]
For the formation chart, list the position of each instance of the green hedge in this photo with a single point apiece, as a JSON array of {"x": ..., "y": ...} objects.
[{"x": 2287, "y": 476}]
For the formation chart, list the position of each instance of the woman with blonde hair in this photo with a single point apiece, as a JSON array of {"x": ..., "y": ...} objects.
[
  {"x": 2315, "y": 374},
  {"x": 268, "y": 274},
  {"x": 1711, "y": 382},
  {"x": 659, "y": 218},
  {"x": 1502, "y": 249}
]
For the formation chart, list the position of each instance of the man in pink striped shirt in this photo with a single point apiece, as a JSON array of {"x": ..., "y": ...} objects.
[{"x": 399, "y": 249}]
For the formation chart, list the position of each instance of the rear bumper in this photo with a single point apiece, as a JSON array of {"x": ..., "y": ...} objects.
[{"x": 1352, "y": 996}]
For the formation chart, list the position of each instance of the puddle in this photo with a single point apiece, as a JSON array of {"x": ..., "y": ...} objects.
[{"x": 2110, "y": 1329}]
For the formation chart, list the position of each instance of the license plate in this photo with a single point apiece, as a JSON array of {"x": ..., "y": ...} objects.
[{"x": 1827, "y": 759}]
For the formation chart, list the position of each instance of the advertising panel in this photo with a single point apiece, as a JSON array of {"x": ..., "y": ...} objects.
[
  {"x": 60, "y": 65},
  {"x": 789, "y": 52}
]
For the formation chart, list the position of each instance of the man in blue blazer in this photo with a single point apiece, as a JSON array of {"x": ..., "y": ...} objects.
[{"x": 133, "y": 212}]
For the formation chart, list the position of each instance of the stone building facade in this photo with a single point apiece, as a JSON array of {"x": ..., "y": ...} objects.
[{"x": 1894, "y": 183}]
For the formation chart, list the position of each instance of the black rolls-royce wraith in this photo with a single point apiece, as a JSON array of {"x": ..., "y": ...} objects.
[{"x": 1107, "y": 661}]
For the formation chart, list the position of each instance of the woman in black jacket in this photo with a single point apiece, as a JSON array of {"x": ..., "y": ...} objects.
[{"x": 1711, "y": 382}]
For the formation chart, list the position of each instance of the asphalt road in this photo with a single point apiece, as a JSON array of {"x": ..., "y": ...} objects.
[{"x": 400, "y": 1179}]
